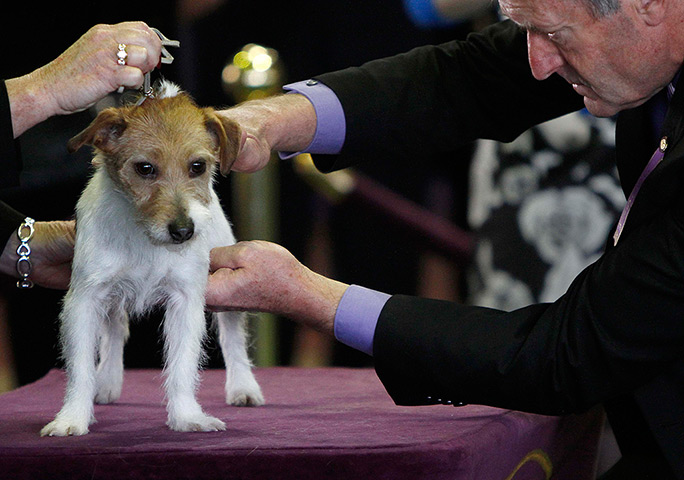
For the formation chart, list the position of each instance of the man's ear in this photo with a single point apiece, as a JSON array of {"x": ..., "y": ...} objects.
[
  {"x": 653, "y": 12},
  {"x": 102, "y": 132},
  {"x": 227, "y": 135}
]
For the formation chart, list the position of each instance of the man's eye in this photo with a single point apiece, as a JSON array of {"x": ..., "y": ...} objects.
[
  {"x": 198, "y": 167},
  {"x": 556, "y": 37},
  {"x": 145, "y": 169}
]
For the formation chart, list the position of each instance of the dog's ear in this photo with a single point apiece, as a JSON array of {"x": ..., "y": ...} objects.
[
  {"x": 227, "y": 135},
  {"x": 107, "y": 127}
]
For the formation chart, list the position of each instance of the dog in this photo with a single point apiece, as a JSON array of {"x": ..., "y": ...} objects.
[{"x": 145, "y": 224}]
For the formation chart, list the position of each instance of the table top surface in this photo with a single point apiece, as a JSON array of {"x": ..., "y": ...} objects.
[{"x": 312, "y": 418}]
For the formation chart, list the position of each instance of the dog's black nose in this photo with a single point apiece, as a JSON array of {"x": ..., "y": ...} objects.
[{"x": 181, "y": 230}]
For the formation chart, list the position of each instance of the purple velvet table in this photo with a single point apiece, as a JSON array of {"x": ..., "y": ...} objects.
[{"x": 317, "y": 424}]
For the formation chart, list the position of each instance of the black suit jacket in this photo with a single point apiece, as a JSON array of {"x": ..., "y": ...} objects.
[{"x": 616, "y": 337}]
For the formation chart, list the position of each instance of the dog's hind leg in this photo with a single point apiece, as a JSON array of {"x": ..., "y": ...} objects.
[
  {"x": 184, "y": 332},
  {"x": 80, "y": 323},
  {"x": 110, "y": 369},
  {"x": 242, "y": 388}
]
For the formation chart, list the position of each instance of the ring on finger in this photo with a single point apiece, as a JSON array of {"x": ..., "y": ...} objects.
[{"x": 121, "y": 54}]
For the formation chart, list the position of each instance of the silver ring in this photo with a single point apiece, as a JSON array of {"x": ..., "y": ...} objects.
[{"x": 121, "y": 54}]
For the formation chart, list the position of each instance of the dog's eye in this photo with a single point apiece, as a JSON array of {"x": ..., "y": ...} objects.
[
  {"x": 145, "y": 169},
  {"x": 197, "y": 168}
]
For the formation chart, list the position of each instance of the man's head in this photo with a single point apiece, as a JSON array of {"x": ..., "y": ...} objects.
[{"x": 616, "y": 53}]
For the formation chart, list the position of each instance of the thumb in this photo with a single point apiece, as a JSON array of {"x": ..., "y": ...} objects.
[{"x": 220, "y": 290}]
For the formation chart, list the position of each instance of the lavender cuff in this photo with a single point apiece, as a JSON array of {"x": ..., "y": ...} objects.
[
  {"x": 357, "y": 316},
  {"x": 331, "y": 127}
]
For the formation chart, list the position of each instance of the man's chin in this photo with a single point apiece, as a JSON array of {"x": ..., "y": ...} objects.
[{"x": 600, "y": 109}]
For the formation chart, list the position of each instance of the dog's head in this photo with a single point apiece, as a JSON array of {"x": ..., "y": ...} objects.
[{"x": 163, "y": 155}]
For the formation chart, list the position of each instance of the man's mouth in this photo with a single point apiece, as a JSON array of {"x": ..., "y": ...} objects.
[{"x": 584, "y": 90}]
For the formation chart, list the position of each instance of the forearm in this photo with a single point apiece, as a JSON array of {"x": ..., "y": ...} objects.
[
  {"x": 30, "y": 101},
  {"x": 315, "y": 302}
]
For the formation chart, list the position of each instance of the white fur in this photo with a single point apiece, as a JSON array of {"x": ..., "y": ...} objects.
[
  {"x": 117, "y": 272},
  {"x": 167, "y": 89}
]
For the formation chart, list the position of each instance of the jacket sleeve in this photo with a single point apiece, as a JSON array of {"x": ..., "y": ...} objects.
[
  {"x": 618, "y": 326},
  {"x": 435, "y": 99}
]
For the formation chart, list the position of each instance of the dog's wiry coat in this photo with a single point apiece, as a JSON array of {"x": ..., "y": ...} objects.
[{"x": 146, "y": 223}]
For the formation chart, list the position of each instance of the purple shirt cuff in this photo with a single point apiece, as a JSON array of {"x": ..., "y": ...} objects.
[
  {"x": 357, "y": 316},
  {"x": 330, "y": 122}
]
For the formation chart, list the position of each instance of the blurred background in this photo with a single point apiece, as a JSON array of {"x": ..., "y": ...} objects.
[{"x": 356, "y": 238}]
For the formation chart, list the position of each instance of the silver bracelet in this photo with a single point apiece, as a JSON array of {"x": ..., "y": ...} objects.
[{"x": 24, "y": 267}]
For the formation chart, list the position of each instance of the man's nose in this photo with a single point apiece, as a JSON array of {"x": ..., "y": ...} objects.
[{"x": 544, "y": 57}]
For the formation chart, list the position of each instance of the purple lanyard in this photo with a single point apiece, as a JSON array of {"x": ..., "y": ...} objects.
[{"x": 652, "y": 163}]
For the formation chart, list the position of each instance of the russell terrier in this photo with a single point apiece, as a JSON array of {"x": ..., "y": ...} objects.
[{"x": 145, "y": 225}]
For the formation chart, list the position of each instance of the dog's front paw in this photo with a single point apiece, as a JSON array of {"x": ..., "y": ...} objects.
[
  {"x": 245, "y": 395},
  {"x": 63, "y": 428},
  {"x": 109, "y": 383},
  {"x": 108, "y": 394},
  {"x": 196, "y": 423}
]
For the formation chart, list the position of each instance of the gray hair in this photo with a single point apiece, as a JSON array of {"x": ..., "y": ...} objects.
[{"x": 602, "y": 8}]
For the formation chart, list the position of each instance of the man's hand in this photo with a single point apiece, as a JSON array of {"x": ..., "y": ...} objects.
[
  {"x": 265, "y": 277},
  {"x": 284, "y": 123}
]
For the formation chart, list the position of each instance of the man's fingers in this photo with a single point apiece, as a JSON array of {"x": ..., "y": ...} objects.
[
  {"x": 139, "y": 35},
  {"x": 252, "y": 157},
  {"x": 223, "y": 257},
  {"x": 220, "y": 290}
]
